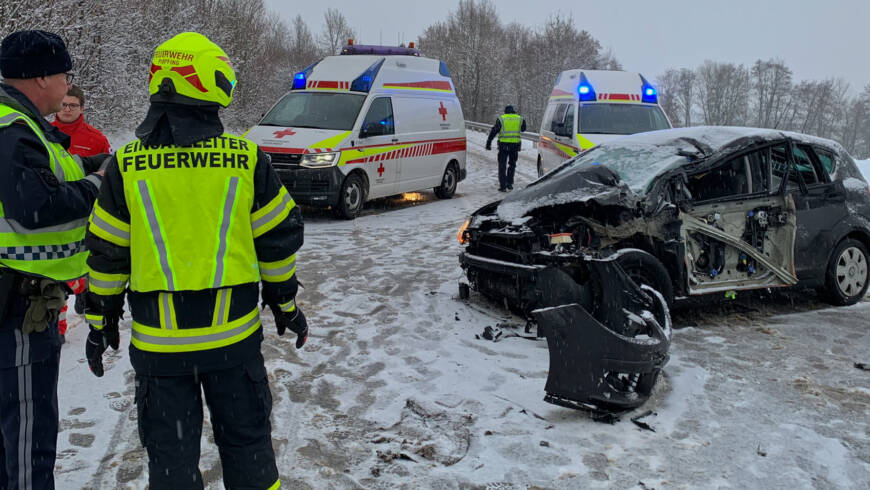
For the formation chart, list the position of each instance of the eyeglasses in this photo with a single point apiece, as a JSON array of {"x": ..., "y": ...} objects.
[
  {"x": 69, "y": 78},
  {"x": 71, "y": 107}
]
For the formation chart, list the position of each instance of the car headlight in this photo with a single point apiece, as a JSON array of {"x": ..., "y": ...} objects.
[
  {"x": 319, "y": 160},
  {"x": 461, "y": 233}
]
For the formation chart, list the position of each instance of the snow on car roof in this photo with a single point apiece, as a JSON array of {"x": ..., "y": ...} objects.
[{"x": 714, "y": 137}]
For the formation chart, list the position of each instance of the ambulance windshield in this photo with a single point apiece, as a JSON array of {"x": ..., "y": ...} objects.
[
  {"x": 315, "y": 110},
  {"x": 620, "y": 118}
]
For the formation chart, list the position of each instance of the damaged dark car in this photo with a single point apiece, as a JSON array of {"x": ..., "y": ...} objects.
[{"x": 683, "y": 212}]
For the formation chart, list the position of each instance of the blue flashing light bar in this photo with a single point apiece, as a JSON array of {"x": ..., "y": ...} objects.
[
  {"x": 299, "y": 80},
  {"x": 363, "y": 83},
  {"x": 585, "y": 92},
  {"x": 648, "y": 93}
]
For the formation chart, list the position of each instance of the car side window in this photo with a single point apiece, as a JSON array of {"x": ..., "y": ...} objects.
[
  {"x": 758, "y": 171},
  {"x": 731, "y": 179},
  {"x": 826, "y": 159},
  {"x": 778, "y": 157},
  {"x": 804, "y": 164},
  {"x": 379, "y": 119}
]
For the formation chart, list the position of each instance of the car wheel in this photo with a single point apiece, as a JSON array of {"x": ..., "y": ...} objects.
[
  {"x": 847, "y": 274},
  {"x": 644, "y": 268},
  {"x": 351, "y": 197},
  {"x": 540, "y": 167},
  {"x": 448, "y": 182}
]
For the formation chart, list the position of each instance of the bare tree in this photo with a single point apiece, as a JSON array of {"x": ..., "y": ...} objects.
[
  {"x": 336, "y": 32},
  {"x": 722, "y": 89},
  {"x": 771, "y": 88}
]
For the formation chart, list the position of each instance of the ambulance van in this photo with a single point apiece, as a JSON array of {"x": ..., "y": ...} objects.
[
  {"x": 372, "y": 122},
  {"x": 587, "y": 107}
]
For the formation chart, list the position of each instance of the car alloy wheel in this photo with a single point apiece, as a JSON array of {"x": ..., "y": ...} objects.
[{"x": 851, "y": 271}]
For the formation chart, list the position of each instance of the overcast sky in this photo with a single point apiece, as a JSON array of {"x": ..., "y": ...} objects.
[{"x": 817, "y": 39}]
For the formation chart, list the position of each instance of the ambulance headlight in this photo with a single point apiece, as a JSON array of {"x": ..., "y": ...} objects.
[{"x": 319, "y": 160}]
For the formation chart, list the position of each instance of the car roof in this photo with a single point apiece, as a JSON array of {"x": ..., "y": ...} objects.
[{"x": 713, "y": 139}]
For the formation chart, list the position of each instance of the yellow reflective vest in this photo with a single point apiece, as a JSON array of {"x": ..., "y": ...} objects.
[
  {"x": 58, "y": 251},
  {"x": 180, "y": 237},
  {"x": 510, "y": 128},
  {"x": 191, "y": 228}
]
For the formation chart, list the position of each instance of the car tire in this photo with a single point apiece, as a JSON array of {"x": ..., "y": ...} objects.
[
  {"x": 540, "y": 167},
  {"x": 644, "y": 268},
  {"x": 448, "y": 182},
  {"x": 847, "y": 274},
  {"x": 351, "y": 197}
]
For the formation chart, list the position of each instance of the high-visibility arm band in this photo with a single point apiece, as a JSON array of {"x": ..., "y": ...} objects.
[
  {"x": 289, "y": 306},
  {"x": 107, "y": 284},
  {"x": 108, "y": 227},
  {"x": 268, "y": 217},
  {"x": 94, "y": 320},
  {"x": 278, "y": 271}
]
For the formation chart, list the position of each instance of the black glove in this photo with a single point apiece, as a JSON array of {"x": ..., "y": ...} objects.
[
  {"x": 100, "y": 340},
  {"x": 488, "y": 146},
  {"x": 295, "y": 321},
  {"x": 94, "y": 162}
]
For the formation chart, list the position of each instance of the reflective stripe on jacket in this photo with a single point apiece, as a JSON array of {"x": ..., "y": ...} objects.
[
  {"x": 58, "y": 251},
  {"x": 510, "y": 128}
]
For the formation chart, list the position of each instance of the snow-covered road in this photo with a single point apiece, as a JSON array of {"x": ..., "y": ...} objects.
[{"x": 394, "y": 390}]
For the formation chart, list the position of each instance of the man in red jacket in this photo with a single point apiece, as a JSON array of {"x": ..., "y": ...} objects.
[{"x": 86, "y": 141}]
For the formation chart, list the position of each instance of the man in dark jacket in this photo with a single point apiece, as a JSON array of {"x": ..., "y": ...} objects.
[
  {"x": 509, "y": 128},
  {"x": 46, "y": 200},
  {"x": 189, "y": 223}
]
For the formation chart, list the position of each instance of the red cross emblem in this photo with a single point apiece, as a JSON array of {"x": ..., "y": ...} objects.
[
  {"x": 443, "y": 111},
  {"x": 284, "y": 132},
  {"x": 381, "y": 170}
]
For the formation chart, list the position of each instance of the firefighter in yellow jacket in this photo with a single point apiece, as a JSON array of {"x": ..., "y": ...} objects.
[{"x": 189, "y": 222}]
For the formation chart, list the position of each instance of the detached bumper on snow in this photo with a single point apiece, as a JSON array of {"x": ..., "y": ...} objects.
[{"x": 608, "y": 338}]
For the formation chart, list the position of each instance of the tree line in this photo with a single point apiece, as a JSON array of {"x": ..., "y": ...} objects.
[
  {"x": 112, "y": 41},
  {"x": 766, "y": 95},
  {"x": 492, "y": 64}
]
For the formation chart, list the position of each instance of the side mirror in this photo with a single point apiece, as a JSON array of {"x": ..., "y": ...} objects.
[{"x": 371, "y": 129}]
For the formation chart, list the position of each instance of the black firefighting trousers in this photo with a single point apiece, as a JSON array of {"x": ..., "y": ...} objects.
[
  {"x": 28, "y": 401},
  {"x": 507, "y": 163},
  {"x": 170, "y": 426}
]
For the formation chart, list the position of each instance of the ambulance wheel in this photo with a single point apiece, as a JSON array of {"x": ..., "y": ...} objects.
[
  {"x": 540, "y": 167},
  {"x": 448, "y": 182},
  {"x": 351, "y": 197}
]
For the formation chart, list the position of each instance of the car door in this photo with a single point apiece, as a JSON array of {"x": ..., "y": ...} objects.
[
  {"x": 377, "y": 150},
  {"x": 738, "y": 229},
  {"x": 820, "y": 203}
]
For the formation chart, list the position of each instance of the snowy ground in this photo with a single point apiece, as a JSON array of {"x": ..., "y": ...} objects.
[{"x": 393, "y": 389}]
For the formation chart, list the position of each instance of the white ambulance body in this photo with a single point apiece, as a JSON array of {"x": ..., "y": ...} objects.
[
  {"x": 588, "y": 107},
  {"x": 366, "y": 124}
]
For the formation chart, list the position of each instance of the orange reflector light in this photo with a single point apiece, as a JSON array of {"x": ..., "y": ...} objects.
[
  {"x": 412, "y": 196},
  {"x": 557, "y": 238},
  {"x": 461, "y": 233},
  {"x": 350, "y": 42},
  {"x": 411, "y": 44}
]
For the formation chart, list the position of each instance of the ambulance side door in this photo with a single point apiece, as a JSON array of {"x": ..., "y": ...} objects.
[{"x": 377, "y": 142}]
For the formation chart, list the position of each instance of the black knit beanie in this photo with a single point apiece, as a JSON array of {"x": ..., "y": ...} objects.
[{"x": 31, "y": 54}]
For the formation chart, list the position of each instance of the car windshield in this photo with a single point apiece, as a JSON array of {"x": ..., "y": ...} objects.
[
  {"x": 315, "y": 110},
  {"x": 620, "y": 118},
  {"x": 636, "y": 164}
]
